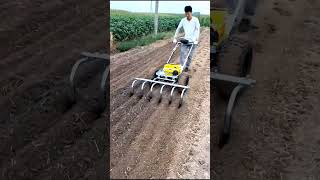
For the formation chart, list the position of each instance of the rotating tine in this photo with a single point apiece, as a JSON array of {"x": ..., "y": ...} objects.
[
  {"x": 160, "y": 98},
  {"x": 183, "y": 91},
  {"x": 153, "y": 84},
  {"x": 133, "y": 83},
  {"x": 149, "y": 95},
  {"x": 162, "y": 89},
  {"x": 132, "y": 87},
  {"x": 143, "y": 85},
  {"x": 140, "y": 94},
  {"x": 181, "y": 97},
  {"x": 171, "y": 95}
]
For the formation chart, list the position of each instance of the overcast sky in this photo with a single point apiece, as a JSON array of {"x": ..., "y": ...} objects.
[{"x": 164, "y": 6}]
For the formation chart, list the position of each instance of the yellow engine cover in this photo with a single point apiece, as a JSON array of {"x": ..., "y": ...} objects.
[
  {"x": 172, "y": 69},
  {"x": 218, "y": 18}
]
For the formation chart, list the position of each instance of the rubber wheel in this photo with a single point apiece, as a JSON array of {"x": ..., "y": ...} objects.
[
  {"x": 250, "y": 7},
  {"x": 186, "y": 81},
  {"x": 183, "y": 80},
  {"x": 154, "y": 74},
  {"x": 234, "y": 60}
]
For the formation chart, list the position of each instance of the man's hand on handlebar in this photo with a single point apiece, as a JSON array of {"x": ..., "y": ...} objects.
[{"x": 174, "y": 41}]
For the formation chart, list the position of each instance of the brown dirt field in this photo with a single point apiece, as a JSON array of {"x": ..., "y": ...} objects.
[
  {"x": 43, "y": 136},
  {"x": 276, "y": 128},
  {"x": 150, "y": 140}
]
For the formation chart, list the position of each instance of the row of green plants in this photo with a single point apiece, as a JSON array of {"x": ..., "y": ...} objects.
[{"x": 128, "y": 26}]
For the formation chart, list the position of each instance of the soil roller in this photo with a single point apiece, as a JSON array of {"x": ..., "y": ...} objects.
[
  {"x": 231, "y": 54},
  {"x": 101, "y": 60},
  {"x": 172, "y": 76}
]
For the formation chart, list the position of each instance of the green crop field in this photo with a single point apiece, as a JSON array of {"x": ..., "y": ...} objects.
[{"x": 126, "y": 25}]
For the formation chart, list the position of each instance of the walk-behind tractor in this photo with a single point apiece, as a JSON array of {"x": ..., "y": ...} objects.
[
  {"x": 231, "y": 54},
  {"x": 172, "y": 76}
]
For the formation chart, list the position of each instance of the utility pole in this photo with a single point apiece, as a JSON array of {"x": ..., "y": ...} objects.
[{"x": 156, "y": 18}]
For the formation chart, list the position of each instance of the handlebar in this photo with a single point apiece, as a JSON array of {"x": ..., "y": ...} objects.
[{"x": 185, "y": 41}]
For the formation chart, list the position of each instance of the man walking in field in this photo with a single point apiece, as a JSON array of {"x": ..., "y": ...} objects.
[{"x": 191, "y": 27}]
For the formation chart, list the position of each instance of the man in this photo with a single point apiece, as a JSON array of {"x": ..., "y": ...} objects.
[{"x": 191, "y": 27}]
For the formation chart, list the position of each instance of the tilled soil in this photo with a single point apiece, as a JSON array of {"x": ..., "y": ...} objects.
[
  {"x": 42, "y": 135},
  {"x": 275, "y": 130},
  {"x": 151, "y": 140}
]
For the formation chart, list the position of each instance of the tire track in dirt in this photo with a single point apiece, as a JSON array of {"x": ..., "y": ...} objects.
[{"x": 143, "y": 132}]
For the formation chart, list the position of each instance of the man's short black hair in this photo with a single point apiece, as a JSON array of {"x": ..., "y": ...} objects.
[{"x": 188, "y": 9}]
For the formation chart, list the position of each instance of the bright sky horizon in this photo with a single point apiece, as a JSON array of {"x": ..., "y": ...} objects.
[{"x": 176, "y": 7}]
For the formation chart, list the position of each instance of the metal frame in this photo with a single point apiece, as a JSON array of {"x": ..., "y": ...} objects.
[
  {"x": 242, "y": 84},
  {"x": 164, "y": 81},
  {"x": 89, "y": 57},
  {"x": 175, "y": 48},
  {"x": 234, "y": 12}
]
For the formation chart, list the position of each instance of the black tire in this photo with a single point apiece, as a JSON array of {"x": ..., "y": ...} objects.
[
  {"x": 154, "y": 74},
  {"x": 183, "y": 80},
  {"x": 186, "y": 83},
  {"x": 234, "y": 60},
  {"x": 250, "y": 7},
  {"x": 245, "y": 25},
  {"x": 175, "y": 72}
]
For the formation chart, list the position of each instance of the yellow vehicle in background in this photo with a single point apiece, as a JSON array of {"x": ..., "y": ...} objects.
[
  {"x": 228, "y": 14},
  {"x": 231, "y": 53}
]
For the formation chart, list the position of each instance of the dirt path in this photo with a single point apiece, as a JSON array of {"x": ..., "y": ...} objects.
[
  {"x": 146, "y": 138},
  {"x": 275, "y": 130}
]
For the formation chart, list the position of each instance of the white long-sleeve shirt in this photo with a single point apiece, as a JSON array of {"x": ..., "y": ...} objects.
[{"x": 191, "y": 28}]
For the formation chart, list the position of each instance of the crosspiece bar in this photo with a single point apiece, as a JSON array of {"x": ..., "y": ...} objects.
[
  {"x": 233, "y": 79},
  {"x": 164, "y": 83}
]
